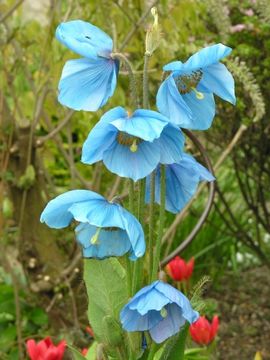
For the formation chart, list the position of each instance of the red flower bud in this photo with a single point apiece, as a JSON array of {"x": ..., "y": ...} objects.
[
  {"x": 202, "y": 331},
  {"x": 89, "y": 330},
  {"x": 179, "y": 269},
  {"x": 45, "y": 349},
  {"x": 84, "y": 351}
]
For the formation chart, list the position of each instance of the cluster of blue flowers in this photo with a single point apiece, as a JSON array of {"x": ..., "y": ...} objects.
[{"x": 133, "y": 146}]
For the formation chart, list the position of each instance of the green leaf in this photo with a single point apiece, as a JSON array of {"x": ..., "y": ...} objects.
[
  {"x": 38, "y": 316},
  {"x": 107, "y": 292},
  {"x": 175, "y": 347},
  {"x": 91, "y": 353},
  {"x": 76, "y": 355}
]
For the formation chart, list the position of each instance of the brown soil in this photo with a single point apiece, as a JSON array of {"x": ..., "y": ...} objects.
[{"x": 244, "y": 306}]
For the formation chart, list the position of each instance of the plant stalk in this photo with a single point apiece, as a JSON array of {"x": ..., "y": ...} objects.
[
  {"x": 132, "y": 78},
  {"x": 151, "y": 222},
  {"x": 161, "y": 221}
]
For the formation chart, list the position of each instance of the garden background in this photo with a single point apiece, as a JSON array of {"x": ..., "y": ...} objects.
[{"x": 41, "y": 286}]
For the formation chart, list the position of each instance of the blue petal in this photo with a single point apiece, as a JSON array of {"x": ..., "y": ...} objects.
[
  {"x": 171, "y": 144},
  {"x": 145, "y": 124},
  {"x": 106, "y": 214},
  {"x": 132, "y": 321},
  {"x": 152, "y": 300},
  {"x": 177, "y": 297},
  {"x": 135, "y": 165},
  {"x": 110, "y": 242},
  {"x": 168, "y": 326},
  {"x": 171, "y": 104},
  {"x": 135, "y": 233},
  {"x": 87, "y": 84},
  {"x": 57, "y": 215},
  {"x": 116, "y": 113},
  {"x": 217, "y": 79},
  {"x": 99, "y": 140},
  {"x": 143, "y": 291},
  {"x": 203, "y": 111},
  {"x": 195, "y": 169},
  {"x": 182, "y": 180},
  {"x": 84, "y": 39},
  {"x": 201, "y": 59},
  {"x": 100, "y": 213}
]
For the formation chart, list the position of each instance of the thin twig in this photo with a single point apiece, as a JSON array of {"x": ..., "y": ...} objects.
[
  {"x": 11, "y": 10},
  {"x": 55, "y": 131},
  {"x": 221, "y": 159},
  {"x": 137, "y": 25}
]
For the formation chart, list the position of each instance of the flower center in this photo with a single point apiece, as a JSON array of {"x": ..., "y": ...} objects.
[
  {"x": 163, "y": 312},
  {"x": 128, "y": 140},
  {"x": 95, "y": 238},
  {"x": 188, "y": 83}
]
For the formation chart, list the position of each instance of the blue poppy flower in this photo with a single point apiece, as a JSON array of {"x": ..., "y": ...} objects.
[
  {"x": 105, "y": 229},
  {"x": 159, "y": 308},
  {"x": 133, "y": 145},
  {"x": 186, "y": 96},
  {"x": 182, "y": 180},
  {"x": 88, "y": 82}
]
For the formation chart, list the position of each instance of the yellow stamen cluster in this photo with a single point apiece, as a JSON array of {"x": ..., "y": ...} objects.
[
  {"x": 188, "y": 83},
  {"x": 163, "y": 312},
  {"x": 128, "y": 140},
  {"x": 94, "y": 239}
]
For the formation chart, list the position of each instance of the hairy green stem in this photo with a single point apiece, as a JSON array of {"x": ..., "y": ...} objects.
[
  {"x": 161, "y": 221},
  {"x": 145, "y": 82},
  {"x": 179, "y": 350},
  {"x": 129, "y": 275},
  {"x": 138, "y": 266},
  {"x": 131, "y": 195},
  {"x": 132, "y": 78},
  {"x": 151, "y": 222},
  {"x": 129, "y": 265}
]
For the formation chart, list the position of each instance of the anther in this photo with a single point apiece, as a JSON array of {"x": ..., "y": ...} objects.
[
  {"x": 134, "y": 147},
  {"x": 163, "y": 312},
  {"x": 94, "y": 238},
  {"x": 199, "y": 95}
]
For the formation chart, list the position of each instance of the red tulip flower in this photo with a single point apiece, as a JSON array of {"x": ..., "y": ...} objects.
[
  {"x": 45, "y": 349},
  {"x": 179, "y": 269},
  {"x": 202, "y": 331}
]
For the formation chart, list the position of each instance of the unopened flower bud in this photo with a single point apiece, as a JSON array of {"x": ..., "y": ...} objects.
[{"x": 153, "y": 35}]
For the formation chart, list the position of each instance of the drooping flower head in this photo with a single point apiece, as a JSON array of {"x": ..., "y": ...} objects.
[
  {"x": 88, "y": 82},
  {"x": 105, "y": 228},
  {"x": 186, "y": 95},
  {"x": 45, "y": 349},
  {"x": 203, "y": 332},
  {"x": 159, "y": 308},
  {"x": 133, "y": 145},
  {"x": 179, "y": 269},
  {"x": 182, "y": 179}
]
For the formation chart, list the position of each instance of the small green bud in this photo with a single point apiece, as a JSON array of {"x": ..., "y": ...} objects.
[
  {"x": 112, "y": 331},
  {"x": 153, "y": 35},
  {"x": 27, "y": 180},
  {"x": 8, "y": 208}
]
